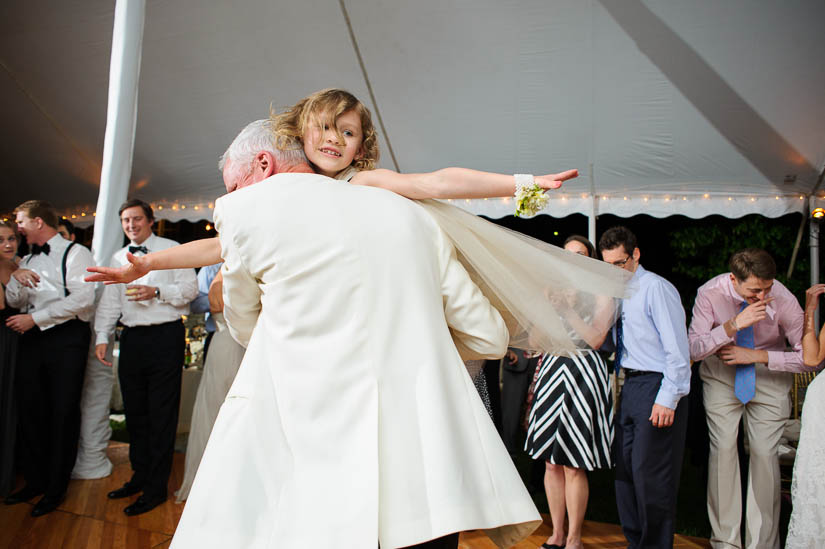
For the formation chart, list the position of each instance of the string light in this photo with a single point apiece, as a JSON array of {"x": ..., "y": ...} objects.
[{"x": 197, "y": 208}]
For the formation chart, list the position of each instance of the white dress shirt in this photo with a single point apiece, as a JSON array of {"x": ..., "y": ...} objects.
[
  {"x": 47, "y": 302},
  {"x": 177, "y": 288}
]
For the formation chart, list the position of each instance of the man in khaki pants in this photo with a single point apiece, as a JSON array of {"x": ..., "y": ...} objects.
[{"x": 741, "y": 321}]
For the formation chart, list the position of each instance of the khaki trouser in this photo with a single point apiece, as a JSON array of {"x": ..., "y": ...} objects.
[{"x": 765, "y": 417}]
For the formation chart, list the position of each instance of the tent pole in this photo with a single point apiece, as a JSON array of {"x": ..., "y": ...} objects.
[
  {"x": 121, "y": 116},
  {"x": 805, "y": 210},
  {"x": 591, "y": 218},
  {"x": 813, "y": 236}
]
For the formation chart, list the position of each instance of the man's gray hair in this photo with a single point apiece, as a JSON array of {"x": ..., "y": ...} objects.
[{"x": 256, "y": 137}]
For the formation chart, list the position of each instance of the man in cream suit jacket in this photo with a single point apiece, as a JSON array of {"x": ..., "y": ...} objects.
[{"x": 352, "y": 418}]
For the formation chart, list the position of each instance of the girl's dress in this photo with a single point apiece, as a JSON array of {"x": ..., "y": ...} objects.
[
  {"x": 807, "y": 526},
  {"x": 222, "y": 363}
]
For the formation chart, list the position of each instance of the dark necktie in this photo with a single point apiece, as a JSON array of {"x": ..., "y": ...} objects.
[
  {"x": 38, "y": 249},
  {"x": 744, "y": 382},
  {"x": 135, "y": 249},
  {"x": 619, "y": 344}
]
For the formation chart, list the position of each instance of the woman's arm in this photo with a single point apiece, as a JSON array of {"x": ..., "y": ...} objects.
[
  {"x": 198, "y": 253},
  {"x": 453, "y": 183},
  {"x": 813, "y": 348},
  {"x": 595, "y": 331}
]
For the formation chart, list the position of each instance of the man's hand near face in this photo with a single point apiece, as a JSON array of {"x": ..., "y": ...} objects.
[{"x": 753, "y": 313}]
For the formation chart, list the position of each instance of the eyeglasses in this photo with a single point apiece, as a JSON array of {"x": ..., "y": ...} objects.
[{"x": 623, "y": 262}]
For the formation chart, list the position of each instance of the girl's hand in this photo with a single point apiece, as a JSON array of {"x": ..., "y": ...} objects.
[
  {"x": 554, "y": 180},
  {"x": 136, "y": 268},
  {"x": 812, "y": 297}
]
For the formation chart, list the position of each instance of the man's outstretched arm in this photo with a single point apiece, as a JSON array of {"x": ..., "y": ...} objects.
[{"x": 198, "y": 253}]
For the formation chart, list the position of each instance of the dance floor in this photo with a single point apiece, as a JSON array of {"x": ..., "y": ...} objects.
[{"x": 87, "y": 519}]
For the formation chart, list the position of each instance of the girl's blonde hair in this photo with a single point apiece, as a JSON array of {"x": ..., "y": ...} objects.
[{"x": 293, "y": 123}]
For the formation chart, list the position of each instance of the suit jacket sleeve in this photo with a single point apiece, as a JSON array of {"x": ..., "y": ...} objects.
[
  {"x": 241, "y": 292},
  {"x": 477, "y": 327}
]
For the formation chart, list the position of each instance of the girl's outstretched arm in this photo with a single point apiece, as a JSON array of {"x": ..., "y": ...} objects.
[
  {"x": 198, "y": 253},
  {"x": 453, "y": 182}
]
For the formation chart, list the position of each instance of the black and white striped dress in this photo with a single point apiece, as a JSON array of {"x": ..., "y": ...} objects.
[{"x": 571, "y": 421}]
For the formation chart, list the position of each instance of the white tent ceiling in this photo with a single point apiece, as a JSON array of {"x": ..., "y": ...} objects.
[{"x": 665, "y": 106}]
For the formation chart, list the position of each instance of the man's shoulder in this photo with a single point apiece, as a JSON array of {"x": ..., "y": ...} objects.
[
  {"x": 162, "y": 243},
  {"x": 653, "y": 281},
  {"x": 781, "y": 292},
  {"x": 717, "y": 284}
]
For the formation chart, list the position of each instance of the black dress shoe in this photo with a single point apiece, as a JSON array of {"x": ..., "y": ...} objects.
[
  {"x": 143, "y": 505},
  {"x": 23, "y": 495},
  {"x": 125, "y": 491},
  {"x": 47, "y": 504}
]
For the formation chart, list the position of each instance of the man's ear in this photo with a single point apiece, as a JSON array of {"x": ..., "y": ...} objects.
[
  {"x": 636, "y": 254},
  {"x": 265, "y": 165}
]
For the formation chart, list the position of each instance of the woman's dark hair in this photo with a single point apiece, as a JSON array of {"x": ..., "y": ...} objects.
[{"x": 591, "y": 250}]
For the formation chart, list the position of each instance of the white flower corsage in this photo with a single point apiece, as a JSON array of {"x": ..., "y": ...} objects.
[{"x": 530, "y": 198}]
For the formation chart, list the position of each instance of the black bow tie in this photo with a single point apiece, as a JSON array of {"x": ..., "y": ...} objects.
[
  {"x": 133, "y": 249},
  {"x": 37, "y": 249}
]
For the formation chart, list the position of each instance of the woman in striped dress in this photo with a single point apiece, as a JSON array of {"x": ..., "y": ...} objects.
[{"x": 571, "y": 421}]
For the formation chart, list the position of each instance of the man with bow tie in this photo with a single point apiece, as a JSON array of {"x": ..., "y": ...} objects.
[
  {"x": 56, "y": 306},
  {"x": 741, "y": 321},
  {"x": 152, "y": 345}
]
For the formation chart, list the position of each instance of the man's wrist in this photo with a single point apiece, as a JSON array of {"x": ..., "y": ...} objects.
[{"x": 733, "y": 325}]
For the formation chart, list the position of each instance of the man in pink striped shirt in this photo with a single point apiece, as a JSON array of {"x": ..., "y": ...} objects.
[{"x": 742, "y": 324}]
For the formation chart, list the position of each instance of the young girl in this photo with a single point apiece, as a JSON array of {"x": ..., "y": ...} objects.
[{"x": 339, "y": 139}]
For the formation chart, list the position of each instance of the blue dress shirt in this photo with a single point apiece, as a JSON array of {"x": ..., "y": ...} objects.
[
  {"x": 654, "y": 335},
  {"x": 201, "y": 303}
]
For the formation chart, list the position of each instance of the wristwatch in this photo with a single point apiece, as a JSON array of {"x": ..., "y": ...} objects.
[{"x": 157, "y": 293}]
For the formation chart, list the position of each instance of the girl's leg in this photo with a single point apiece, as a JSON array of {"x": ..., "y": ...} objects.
[
  {"x": 576, "y": 493},
  {"x": 554, "y": 488}
]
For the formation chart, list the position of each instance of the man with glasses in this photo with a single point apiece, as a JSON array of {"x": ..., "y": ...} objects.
[
  {"x": 652, "y": 351},
  {"x": 743, "y": 322}
]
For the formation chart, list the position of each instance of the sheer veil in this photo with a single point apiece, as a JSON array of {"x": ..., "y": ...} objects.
[{"x": 538, "y": 288}]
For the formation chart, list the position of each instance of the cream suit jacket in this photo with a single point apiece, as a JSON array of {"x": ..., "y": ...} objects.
[{"x": 352, "y": 419}]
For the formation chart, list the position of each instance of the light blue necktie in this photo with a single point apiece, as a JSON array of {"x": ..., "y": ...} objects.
[{"x": 744, "y": 384}]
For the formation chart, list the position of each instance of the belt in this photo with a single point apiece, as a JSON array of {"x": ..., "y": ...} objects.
[{"x": 628, "y": 372}]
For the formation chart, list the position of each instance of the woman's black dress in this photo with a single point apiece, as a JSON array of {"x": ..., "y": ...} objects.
[{"x": 8, "y": 405}]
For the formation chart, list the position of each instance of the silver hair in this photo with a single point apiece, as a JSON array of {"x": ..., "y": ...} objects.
[{"x": 260, "y": 136}]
